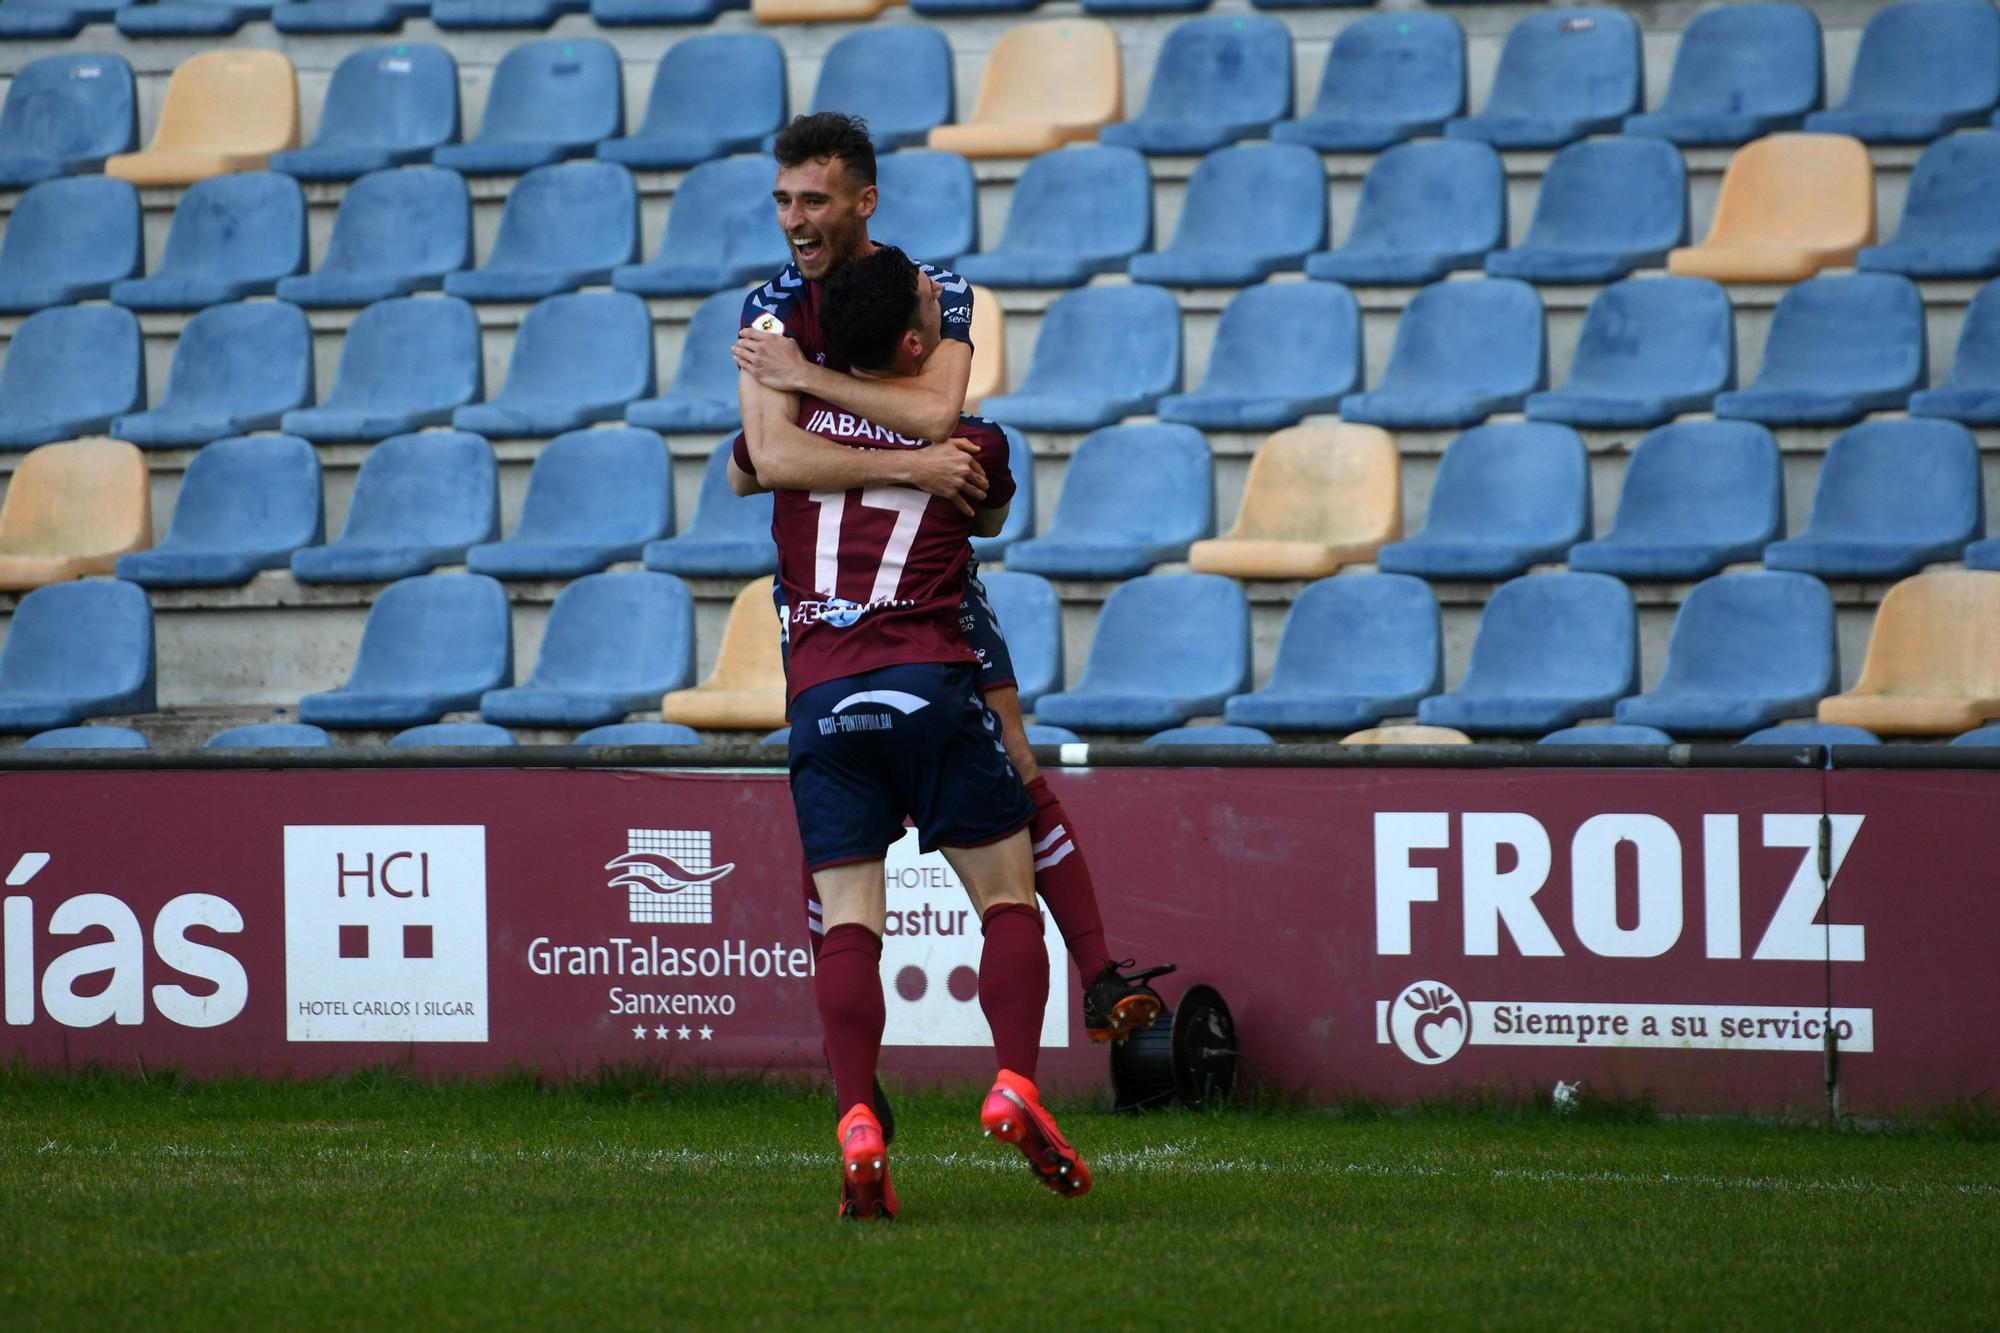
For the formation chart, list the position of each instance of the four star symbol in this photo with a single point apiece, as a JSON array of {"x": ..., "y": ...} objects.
[{"x": 665, "y": 1033}]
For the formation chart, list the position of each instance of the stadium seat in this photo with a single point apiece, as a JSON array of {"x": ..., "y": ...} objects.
[
  {"x": 640, "y": 733},
  {"x": 615, "y": 643},
  {"x": 721, "y": 232},
  {"x": 1215, "y": 81},
  {"x": 1021, "y": 513},
  {"x": 1132, "y": 497},
  {"x": 1925, "y": 68},
  {"x": 1408, "y": 734},
  {"x": 1893, "y": 496},
  {"x": 87, "y": 738},
  {"x": 1613, "y": 733},
  {"x": 594, "y": 497},
  {"x": 69, "y": 240},
  {"x": 1978, "y": 738},
  {"x": 746, "y": 690},
  {"x": 237, "y": 368},
  {"x": 70, "y": 370},
  {"x": 1606, "y": 207},
  {"x": 1550, "y": 651},
  {"x": 616, "y": 13},
  {"x": 730, "y": 536},
  {"x": 1030, "y": 615},
  {"x": 71, "y": 510},
  {"x": 1563, "y": 74},
  {"x": 65, "y": 114},
  {"x": 397, "y": 232},
  {"x": 419, "y": 502},
  {"x": 1220, "y": 242},
  {"x": 1741, "y": 71},
  {"x": 565, "y": 226},
  {"x": 1697, "y": 495},
  {"x": 948, "y": 8},
  {"x": 1933, "y": 664},
  {"x": 270, "y": 736},
  {"x": 1505, "y": 497},
  {"x": 188, "y": 18},
  {"x": 1103, "y": 353},
  {"x": 1948, "y": 211},
  {"x": 405, "y": 363},
  {"x": 1426, "y": 208},
  {"x": 231, "y": 237},
  {"x": 929, "y": 207},
  {"x": 1811, "y": 733},
  {"x": 1354, "y": 650},
  {"x": 549, "y": 100},
  {"x": 1168, "y": 647},
  {"x": 1971, "y": 392},
  {"x": 452, "y": 735},
  {"x": 53, "y": 18},
  {"x": 386, "y": 106},
  {"x": 76, "y": 650},
  {"x": 816, "y": 11},
  {"x": 432, "y": 645},
  {"x": 898, "y": 79},
  {"x": 1747, "y": 651},
  {"x": 703, "y": 395},
  {"x": 988, "y": 378},
  {"x": 1388, "y": 77},
  {"x": 578, "y": 358},
  {"x": 1083, "y": 211},
  {"x": 245, "y": 504},
  {"x": 1317, "y": 497},
  {"x": 473, "y": 15},
  {"x": 1791, "y": 205},
  {"x": 1463, "y": 351},
  {"x": 225, "y": 111},
  {"x": 713, "y": 95},
  {"x": 338, "y": 16},
  {"x": 1839, "y": 348},
  {"x": 1046, "y": 84},
  {"x": 1259, "y": 382},
  {"x": 1209, "y": 735},
  {"x": 1649, "y": 350},
  {"x": 1038, "y": 734}
]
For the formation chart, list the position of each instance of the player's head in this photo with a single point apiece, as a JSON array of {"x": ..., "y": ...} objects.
[
  {"x": 881, "y": 313},
  {"x": 825, "y": 190}
]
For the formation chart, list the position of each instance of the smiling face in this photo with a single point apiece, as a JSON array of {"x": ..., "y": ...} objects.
[{"x": 823, "y": 211}]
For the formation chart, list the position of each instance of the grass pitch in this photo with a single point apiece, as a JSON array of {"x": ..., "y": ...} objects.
[{"x": 372, "y": 1202}]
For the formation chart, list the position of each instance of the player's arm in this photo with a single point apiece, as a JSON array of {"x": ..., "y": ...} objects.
[
  {"x": 785, "y": 457},
  {"x": 988, "y": 522},
  {"x": 991, "y": 516},
  {"x": 924, "y": 406}
]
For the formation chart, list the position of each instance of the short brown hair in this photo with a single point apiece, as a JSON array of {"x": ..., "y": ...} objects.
[{"x": 828, "y": 134}]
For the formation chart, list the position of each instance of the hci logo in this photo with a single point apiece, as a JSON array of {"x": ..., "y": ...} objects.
[
  {"x": 669, "y": 876},
  {"x": 1428, "y": 1022}
]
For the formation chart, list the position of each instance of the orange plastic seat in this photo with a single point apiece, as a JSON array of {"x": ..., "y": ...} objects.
[
  {"x": 1046, "y": 84},
  {"x": 1408, "y": 734},
  {"x": 1318, "y": 497},
  {"x": 746, "y": 691},
  {"x": 1791, "y": 205},
  {"x": 989, "y": 349},
  {"x": 1933, "y": 665},
  {"x": 225, "y": 111},
  {"x": 72, "y": 510},
  {"x": 817, "y": 11}
]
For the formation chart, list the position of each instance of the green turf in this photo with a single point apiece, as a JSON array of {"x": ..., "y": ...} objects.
[{"x": 375, "y": 1202}]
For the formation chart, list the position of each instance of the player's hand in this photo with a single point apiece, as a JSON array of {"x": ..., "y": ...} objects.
[
  {"x": 772, "y": 359},
  {"x": 950, "y": 471}
]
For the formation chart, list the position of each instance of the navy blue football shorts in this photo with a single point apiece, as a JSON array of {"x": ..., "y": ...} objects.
[
  {"x": 976, "y": 623},
  {"x": 914, "y": 740}
]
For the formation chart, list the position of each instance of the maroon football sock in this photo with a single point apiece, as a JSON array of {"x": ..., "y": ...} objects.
[
  {"x": 1062, "y": 879},
  {"x": 848, "y": 986},
  {"x": 1014, "y": 984},
  {"x": 814, "y": 924}
]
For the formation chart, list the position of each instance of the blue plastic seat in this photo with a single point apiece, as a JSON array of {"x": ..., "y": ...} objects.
[
  {"x": 1132, "y": 497},
  {"x": 549, "y": 100},
  {"x": 1215, "y": 81},
  {"x": 1925, "y": 68},
  {"x": 439, "y": 735},
  {"x": 53, "y": 18},
  {"x": 69, "y": 240},
  {"x": 1355, "y": 649},
  {"x": 231, "y": 237},
  {"x": 929, "y": 205},
  {"x": 1747, "y": 650},
  {"x": 245, "y": 504},
  {"x": 1426, "y": 208},
  {"x": 898, "y": 79},
  {"x": 1039, "y": 734},
  {"x": 721, "y": 232},
  {"x": 615, "y": 13},
  {"x": 1073, "y": 213},
  {"x": 1698, "y": 495},
  {"x": 1388, "y": 77},
  {"x": 1649, "y": 350},
  {"x": 1971, "y": 392},
  {"x": 713, "y": 95},
  {"x": 703, "y": 394},
  {"x": 432, "y": 645},
  {"x": 387, "y": 106},
  {"x": 640, "y": 733},
  {"x": 1463, "y": 351},
  {"x": 1839, "y": 348},
  {"x": 1563, "y": 74},
  {"x": 1614, "y": 733},
  {"x": 1030, "y": 615},
  {"x": 729, "y": 537},
  {"x": 87, "y": 738},
  {"x": 1607, "y": 206},
  {"x": 565, "y": 226},
  {"x": 406, "y": 363},
  {"x": 1021, "y": 513},
  {"x": 1979, "y": 737},
  {"x": 397, "y": 232},
  {"x": 70, "y": 371},
  {"x": 472, "y": 15},
  {"x": 1741, "y": 72},
  {"x": 1506, "y": 496},
  {"x": 1893, "y": 496},
  {"x": 1168, "y": 647},
  {"x": 304, "y": 16},
  {"x": 1103, "y": 353},
  {"x": 1550, "y": 651},
  {"x": 1210, "y": 735},
  {"x": 1812, "y": 733},
  {"x": 948, "y": 8},
  {"x": 1948, "y": 212},
  {"x": 1282, "y": 350},
  {"x": 578, "y": 358},
  {"x": 420, "y": 501},
  {"x": 189, "y": 18},
  {"x": 76, "y": 650},
  {"x": 270, "y": 736},
  {"x": 594, "y": 497},
  {"x": 1222, "y": 243},
  {"x": 65, "y": 114},
  {"x": 615, "y": 643},
  {"x": 237, "y": 368}
]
